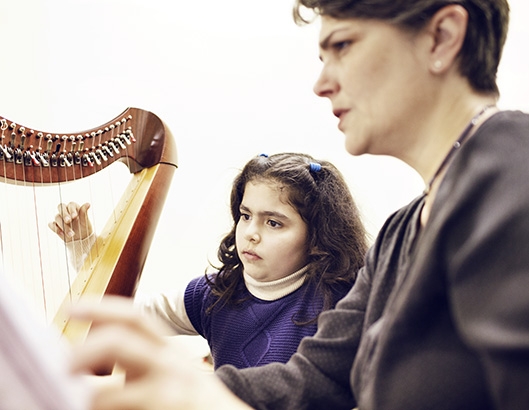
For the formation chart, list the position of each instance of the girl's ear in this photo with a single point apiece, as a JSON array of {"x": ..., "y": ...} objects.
[{"x": 447, "y": 28}]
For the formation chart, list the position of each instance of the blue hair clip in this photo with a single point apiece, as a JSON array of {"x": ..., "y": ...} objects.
[
  {"x": 263, "y": 155},
  {"x": 315, "y": 167}
]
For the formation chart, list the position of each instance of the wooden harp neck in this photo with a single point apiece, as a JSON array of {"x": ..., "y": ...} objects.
[
  {"x": 136, "y": 137},
  {"x": 140, "y": 140}
]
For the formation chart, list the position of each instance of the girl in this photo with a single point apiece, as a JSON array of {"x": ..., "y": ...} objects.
[{"x": 296, "y": 244}]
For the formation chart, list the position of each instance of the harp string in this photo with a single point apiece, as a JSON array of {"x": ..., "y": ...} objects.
[{"x": 35, "y": 258}]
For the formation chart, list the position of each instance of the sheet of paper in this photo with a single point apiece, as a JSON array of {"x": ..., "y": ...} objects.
[{"x": 33, "y": 362}]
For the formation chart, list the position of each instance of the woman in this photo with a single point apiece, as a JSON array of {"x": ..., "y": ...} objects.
[{"x": 437, "y": 318}]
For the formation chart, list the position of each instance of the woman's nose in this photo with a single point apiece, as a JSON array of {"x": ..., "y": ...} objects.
[{"x": 325, "y": 86}]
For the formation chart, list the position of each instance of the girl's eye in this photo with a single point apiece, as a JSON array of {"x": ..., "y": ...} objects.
[
  {"x": 274, "y": 224},
  {"x": 245, "y": 217}
]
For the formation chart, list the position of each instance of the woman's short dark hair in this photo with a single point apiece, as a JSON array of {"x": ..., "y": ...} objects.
[{"x": 480, "y": 54}]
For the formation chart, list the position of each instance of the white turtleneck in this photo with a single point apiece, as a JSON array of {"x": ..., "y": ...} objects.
[{"x": 275, "y": 289}]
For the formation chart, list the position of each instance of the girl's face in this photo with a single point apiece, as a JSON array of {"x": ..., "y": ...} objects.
[
  {"x": 374, "y": 76},
  {"x": 271, "y": 237}
]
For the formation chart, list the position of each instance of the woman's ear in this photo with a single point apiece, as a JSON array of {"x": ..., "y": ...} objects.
[{"x": 448, "y": 28}]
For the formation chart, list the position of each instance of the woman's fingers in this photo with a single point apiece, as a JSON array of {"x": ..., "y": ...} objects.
[{"x": 159, "y": 372}]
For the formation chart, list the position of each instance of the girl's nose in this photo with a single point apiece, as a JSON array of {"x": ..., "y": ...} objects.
[{"x": 252, "y": 233}]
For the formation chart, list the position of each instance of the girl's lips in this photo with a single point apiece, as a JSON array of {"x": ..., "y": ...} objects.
[{"x": 252, "y": 256}]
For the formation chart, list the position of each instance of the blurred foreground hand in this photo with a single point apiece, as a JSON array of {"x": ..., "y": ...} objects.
[{"x": 158, "y": 373}]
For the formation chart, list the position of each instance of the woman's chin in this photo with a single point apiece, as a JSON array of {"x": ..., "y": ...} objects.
[{"x": 355, "y": 149}]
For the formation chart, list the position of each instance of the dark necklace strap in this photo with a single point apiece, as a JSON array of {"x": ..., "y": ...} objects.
[{"x": 457, "y": 144}]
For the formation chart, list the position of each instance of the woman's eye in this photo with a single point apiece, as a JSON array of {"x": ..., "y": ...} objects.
[
  {"x": 245, "y": 217},
  {"x": 341, "y": 45}
]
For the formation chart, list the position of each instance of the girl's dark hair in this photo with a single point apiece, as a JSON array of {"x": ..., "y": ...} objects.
[
  {"x": 337, "y": 240},
  {"x": 482, "y": 48}
]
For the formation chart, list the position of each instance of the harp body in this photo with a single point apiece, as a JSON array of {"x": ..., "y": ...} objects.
[{"x": 138, "y": 139}]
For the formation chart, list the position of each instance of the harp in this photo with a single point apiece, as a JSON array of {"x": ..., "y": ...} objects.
[{"x": 32, "y": 159}]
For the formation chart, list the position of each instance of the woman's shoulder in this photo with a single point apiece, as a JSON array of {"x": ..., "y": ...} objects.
[
  {"x": 509, "y": 115},
  {"x": 498, "y": 149},
  {"x": 491, "y": 170},
  {"x": 505, "y": 124}
]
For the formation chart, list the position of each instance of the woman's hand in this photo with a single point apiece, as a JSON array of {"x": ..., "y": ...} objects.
[
  {"x": 159, "y": 373},
  {"x": 71, "y": 222}
]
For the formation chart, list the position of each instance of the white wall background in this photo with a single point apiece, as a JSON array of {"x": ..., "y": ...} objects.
[{"x": 232, "y": 79}]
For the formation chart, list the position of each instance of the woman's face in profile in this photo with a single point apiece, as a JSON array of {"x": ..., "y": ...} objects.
[{"x": 376, "y": 78}]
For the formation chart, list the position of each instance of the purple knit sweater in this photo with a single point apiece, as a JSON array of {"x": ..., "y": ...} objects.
[{"x": 256, "y": 332}]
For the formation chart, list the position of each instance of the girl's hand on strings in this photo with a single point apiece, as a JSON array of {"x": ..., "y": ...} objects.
[{"x": 71, "y": 222}]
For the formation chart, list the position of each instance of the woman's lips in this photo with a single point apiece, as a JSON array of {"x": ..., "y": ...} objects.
[{"x": 340, "y": 114}]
